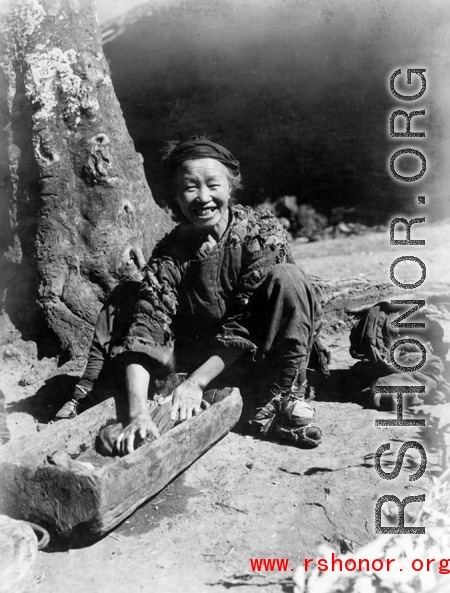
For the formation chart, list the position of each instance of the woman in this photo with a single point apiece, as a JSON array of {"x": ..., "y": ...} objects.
[{"x": 221, "y": 294}]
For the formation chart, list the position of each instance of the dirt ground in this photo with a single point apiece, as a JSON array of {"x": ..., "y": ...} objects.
[{"x": 247, "y": 498}]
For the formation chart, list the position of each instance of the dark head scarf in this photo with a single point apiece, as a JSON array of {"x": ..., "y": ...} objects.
[{"x": 197, "y": 147}]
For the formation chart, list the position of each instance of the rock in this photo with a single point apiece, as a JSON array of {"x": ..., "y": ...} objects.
[{"x": 18, "y": 551}]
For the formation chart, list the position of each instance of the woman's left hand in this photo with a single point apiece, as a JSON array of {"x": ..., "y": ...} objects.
[{"x": 187, "y": 399}]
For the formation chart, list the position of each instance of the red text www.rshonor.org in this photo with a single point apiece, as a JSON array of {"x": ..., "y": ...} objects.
[{"x": 335, "y": 564}]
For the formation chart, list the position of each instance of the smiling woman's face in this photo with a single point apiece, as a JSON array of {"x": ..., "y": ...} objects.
[{"x": 203, "y": 194}]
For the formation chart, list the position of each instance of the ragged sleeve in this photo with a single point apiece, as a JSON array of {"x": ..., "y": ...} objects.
[
  {"x": 264, "y": 245},
  {"x": 150, "y": 332}
]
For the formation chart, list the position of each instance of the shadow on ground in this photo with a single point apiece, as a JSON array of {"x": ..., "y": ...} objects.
[{"x": 48, "y": 399}]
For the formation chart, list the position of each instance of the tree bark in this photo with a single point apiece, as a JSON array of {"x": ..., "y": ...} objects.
[{"x": 75, "y": 203}]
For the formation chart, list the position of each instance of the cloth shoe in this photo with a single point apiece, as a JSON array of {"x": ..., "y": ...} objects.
[
  {"x": 69, "y": 410},
  {"x": 305, "y": 436},
  {"x": 289, "y": 416},
  {"x": 296, "y": 412}
]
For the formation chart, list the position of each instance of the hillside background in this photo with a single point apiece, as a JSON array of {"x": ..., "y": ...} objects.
[{"x": 298, "y": 90}]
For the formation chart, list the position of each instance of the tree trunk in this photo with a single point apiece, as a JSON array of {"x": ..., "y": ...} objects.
[{"x": 75, "y": 202}]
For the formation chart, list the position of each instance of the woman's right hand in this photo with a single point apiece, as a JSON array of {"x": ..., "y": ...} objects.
[
  {"x": 186, "y": 400},
  {"x": 140, "y": 426}
]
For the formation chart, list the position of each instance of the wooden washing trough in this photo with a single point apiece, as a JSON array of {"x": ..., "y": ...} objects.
[{"x": 42, "y": 479}]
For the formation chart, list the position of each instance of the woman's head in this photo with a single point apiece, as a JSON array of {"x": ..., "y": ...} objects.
[
  {"x": 204, "y": 158},
  {"x": 203, "y": 193}
]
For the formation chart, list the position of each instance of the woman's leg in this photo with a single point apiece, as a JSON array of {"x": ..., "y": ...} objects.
[
  {"x": 285, "y": 316},
  {"x": 100, "y": 376}
]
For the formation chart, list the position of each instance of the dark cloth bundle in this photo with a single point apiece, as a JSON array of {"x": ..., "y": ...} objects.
[{"x": 371, "y": 340}]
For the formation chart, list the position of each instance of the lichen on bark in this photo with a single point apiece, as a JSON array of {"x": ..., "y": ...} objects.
[
  {"x": 77, "y": 200},
  {"x": 50, "y": 79}
]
